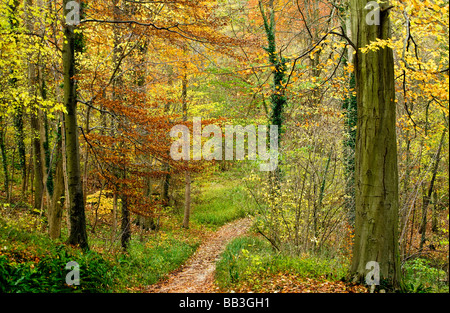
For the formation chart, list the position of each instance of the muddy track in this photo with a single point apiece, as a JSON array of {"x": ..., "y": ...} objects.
[{"x": 197, "y": 274}]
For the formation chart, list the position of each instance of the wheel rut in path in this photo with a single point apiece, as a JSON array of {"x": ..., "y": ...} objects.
[{"x": 197, "y": 274}]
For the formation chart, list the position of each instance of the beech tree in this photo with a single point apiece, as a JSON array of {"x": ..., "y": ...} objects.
[
  {"x": 376, "y": 173},
  {"x": 77, "y": 234}
]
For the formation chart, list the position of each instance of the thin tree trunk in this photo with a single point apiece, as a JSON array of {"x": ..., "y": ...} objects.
[
  {"x": 20, "y": 139},
  {"x": 37, "y": 154},
  {"x": 114, "y": 219},
  {"x": 427, "y": 197},
  {"x": 187, "y": 175},
  {"x": 278, "y": 98},
  {"x": 55, "y": 212},
  {"x": 18, "y": 113},
  {"x": 35, "y": 122},
  {"x": 187, "y": 200},
  {"x": 126, "y": 227},
  {"x": 434, "y": 216},
  {"x": 86, "y": 154},
  {"x": 77, "y": 234},
  {"x": 4, "y": 160},
  {"x": 64, "y": 164}
]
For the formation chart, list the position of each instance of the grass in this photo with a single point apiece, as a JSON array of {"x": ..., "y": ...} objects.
[
  {"x": 31, "y": 262},
  {"x": 250, "y": 259},
  {"x": 220, "y": 204},
  {"x": 145, "y": 264}
]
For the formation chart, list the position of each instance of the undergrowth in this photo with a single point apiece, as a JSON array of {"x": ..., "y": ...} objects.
[{"x": 252, "y": 261}]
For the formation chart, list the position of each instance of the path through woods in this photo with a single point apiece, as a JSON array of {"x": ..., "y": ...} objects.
[{"x": 197, "y": 275}]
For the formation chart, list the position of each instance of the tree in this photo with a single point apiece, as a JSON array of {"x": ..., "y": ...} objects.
[
  {"x": 55, "y": 211},
  {"x": 278, "y": 98},
  {"x": 376, "y": 173},
  {"x": 77, "y": 234}
]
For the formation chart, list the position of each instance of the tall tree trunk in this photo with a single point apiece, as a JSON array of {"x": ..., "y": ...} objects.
[
  {"x": 350, "y": 108},
  {"x": 187, "y": 199},
  {"x": 20, "y": 139},
  {"x": 114, "y": 219},
  {"x": 18, "y": 113},
  {"x": 126, "y": 226},
  {"x": 37, "y": 158},
  {"x": 64, "y": 167},
  {"x": 55, "y": 211},
  {"x": 376, "y": 171},
  {"x": 86, "y": 155},
  {"x": 4, "y": 159},
  {"x": 166, "y": 167},
  {"x": 33, "y": 82},
  {"x": 427, "y": 196},
  {"x": 278, "y": 98},
  {"x": 77, "y": 234},
  {"x": 187, "y": 175}
]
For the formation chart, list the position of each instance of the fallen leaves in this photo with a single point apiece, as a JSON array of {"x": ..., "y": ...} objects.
[{"x": 294, "y": 283}]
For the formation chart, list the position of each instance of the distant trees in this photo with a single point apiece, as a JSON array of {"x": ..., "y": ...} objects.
[{"x": 86, "y": 111}]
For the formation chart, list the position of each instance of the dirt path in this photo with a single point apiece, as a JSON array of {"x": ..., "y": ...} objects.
[{"x": 197, "y": 275}]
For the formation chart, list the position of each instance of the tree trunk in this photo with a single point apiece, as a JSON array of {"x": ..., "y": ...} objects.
[
  {"x": 166, "y": 167},
  {"x": 35, "y": 122},
  {"x": 77, "y": 234},
  {"x": 278, "y": 98},
  {"x": 55, "y": 211},
  {"x": 18, "y": 113},
  {"x": 350, "y": 108},
  {"x": 4, "y": 160},
  {"x": 187, "y": 175},
  {"x": 376, "y": 171},
  {"x": 20, "y": 139},
  {"x": 187, "y": 200},
  {"x": 427, "y": 196},
  {"x": 64, "y": 167},
  {"x": 114, "y": 219},
  {"x": 126, "y": 227},
  {"x": 37, "y": 151}
]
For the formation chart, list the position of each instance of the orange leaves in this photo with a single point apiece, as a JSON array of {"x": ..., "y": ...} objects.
[{"x": 284, "y": 282}]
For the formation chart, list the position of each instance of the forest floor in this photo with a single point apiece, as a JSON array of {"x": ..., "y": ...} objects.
[{"x": 197, "y": 274}]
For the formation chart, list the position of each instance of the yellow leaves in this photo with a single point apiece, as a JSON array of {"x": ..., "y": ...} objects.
[
  {"x": 102, "y": 203},
  {"x": 377, "y": 44}
]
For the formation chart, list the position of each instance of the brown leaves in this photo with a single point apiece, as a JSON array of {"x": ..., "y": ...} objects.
[{"x": 293, "y": 283}]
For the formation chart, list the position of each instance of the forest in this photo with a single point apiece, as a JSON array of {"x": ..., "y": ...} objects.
[{"x": 224, "y": 146}]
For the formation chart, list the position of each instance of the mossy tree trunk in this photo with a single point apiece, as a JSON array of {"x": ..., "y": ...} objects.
[
  {"x": 77, "y": 234},
  {"x": 4, "y": 159},
  {"x": 376, "y": 171},
  {"x": 55, "y": 211},
  {"x": 278, "y": 98}
]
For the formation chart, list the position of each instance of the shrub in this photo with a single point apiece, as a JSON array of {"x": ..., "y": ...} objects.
[
  {"x": 420, "y": 276},
  {"x": 246, "y": 259},
  {"x": 49, "y": 274}
]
